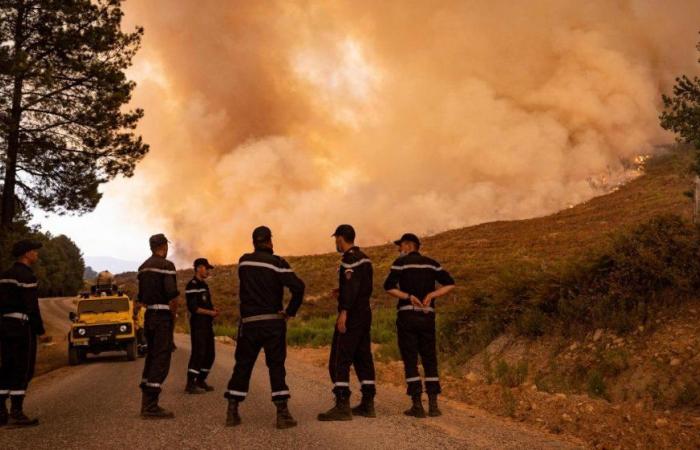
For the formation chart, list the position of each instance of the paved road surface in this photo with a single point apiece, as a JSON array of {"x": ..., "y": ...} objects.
[{"x": 96, "y": 405}]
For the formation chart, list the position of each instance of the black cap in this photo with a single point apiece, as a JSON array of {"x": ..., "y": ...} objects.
[
  {"x": 25, "y": 245},
  {"x": 157, "y": 240},
  {"x": 262, "y": 234},
  {"x": 408, "y": 237},
  {"x": 346, "y": 231},
  {"x": 202, "y": 262}
]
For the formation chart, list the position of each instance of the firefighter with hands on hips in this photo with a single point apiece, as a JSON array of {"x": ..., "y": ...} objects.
[
  {"x": 158, "y": 293},
  {"x": 202, "y": 314},
  {"x": 263, "y": 277},
  {"x": 412, "y": 280},
  {"x": 20, "y": 324},
  {"x": 351, "y": 344}
]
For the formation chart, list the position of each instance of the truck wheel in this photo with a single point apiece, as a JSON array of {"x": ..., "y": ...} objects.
[
  {"x": 131, "y": 351},
  {"x": 73, "y": 356}
]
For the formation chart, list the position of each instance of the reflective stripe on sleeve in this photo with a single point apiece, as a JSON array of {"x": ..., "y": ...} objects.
[
  {"x": 193, "y": 371},
  {"x": 156, "y": 385},
  {"x": 412, "y": 379},
  {"x": 239, "y": 393},
  {"x": 341, "y": 384},
  {"x": 432, "y": 378},
  {"x": 278, "y": 393},
  {"x": 194, "y": 291},
  {"x": 17, "y": 283},
  {"x": 18, "y": 392}
]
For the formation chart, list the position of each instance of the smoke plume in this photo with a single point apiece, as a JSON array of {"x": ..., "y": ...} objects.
[{"x": 393, "y": 116}]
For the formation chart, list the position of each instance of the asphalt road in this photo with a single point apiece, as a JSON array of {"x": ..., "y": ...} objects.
[{"x": 96, "y": 405}]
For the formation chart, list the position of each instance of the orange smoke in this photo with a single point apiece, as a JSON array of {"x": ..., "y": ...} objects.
[{"x": 392, "y": 116}]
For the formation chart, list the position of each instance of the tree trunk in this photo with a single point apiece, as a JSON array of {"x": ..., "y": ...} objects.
[{"x": 10, "y": 180}]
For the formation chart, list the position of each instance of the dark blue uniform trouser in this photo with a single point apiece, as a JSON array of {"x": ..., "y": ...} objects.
[
  {"x": 416, "y": 336},
  {"x": 203, "y": 349},
  {"x": 18, "y": 353},
  {"x": 158, "y": 329},
  {"x": 352, "y": 348},
  {"x": 270, "y": 336}
]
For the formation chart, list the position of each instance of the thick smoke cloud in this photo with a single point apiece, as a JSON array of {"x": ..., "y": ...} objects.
[{"x": 393, "y": 116}]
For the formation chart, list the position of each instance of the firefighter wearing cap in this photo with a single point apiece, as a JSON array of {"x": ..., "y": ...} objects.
[
  {"x": 202, "y": 314},
  {"x": 351, "y": 339},
  {"x": 20, "y": 324},
  {"x": 413, "y": 280},
  {"x": 263, "y": 277},
  {"x": 158, "y": 293}
]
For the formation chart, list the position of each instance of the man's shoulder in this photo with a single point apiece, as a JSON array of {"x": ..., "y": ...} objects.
[{"x": 354, "y": 257}]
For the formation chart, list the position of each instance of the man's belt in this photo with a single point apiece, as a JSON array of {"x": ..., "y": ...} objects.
[
  {"x": 16, "y": 315},
  {"x": 417, "y": 309},
  {"x": 262, "y": 317},
  {"x": 158, "y": 307}
]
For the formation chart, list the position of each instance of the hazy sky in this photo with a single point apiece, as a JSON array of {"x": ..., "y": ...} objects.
[{"x": 393, "y": 116}]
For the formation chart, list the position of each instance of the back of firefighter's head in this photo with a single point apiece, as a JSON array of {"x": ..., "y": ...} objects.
[
  {"x": 159, "y": 244},
  {"x": 408, "y": 243},
  {"x": 344, "y": 237},
  {"x": 262, "y": 238}
]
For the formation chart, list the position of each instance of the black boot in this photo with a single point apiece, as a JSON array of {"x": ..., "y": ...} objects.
[
  {"x": 191, "y": 387},
  {"x": 284, "y": 417},
  {"x": 203, "y": 385},
  {"x": 4, "y": 416},
  {"x": 17, "y": 417},
  {"x": 150, "y": 408},
  {"x": 341, "y": 410},
  {"x": 433, "y": 410},
  {"x": 232, "y": 417},
  {"x": 366, "y": 407},
  {"x": 416, "y": 410}
]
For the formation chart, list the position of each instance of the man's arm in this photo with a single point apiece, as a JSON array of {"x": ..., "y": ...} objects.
[
  {"x": 447, "y": 283},
  {"x": 30, "y": 296},
  {"x": 391, "y": 286},
  {"x": 295, "y": 285}
]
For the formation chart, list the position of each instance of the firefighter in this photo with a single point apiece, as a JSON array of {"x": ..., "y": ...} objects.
[
  {"x": 412, "y": 280},
  {"x": 263, "y": 277},
  {"x": 20, "y": 324},
  {"x": 158, "y": 292},
  {"x": 202, "y": 314},
  {"x": 351, "y": 338}
]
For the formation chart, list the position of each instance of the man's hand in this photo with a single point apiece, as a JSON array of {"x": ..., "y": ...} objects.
[
  {"x": 284, "y": 315},
  {"x": 340, "y": 323},
  {"x": 415, "y": 302},
  {"x": 426, "y": 301},
  {"x": 214, "y": 312}
]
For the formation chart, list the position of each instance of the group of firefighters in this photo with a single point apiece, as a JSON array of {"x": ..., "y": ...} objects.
[{"x": 414, "y": 279}]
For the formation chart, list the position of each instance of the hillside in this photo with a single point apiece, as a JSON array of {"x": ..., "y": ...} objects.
[{"x": 474, "y": 255}]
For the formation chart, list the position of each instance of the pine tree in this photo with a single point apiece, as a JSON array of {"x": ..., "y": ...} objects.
[{"x": 63, "y": 88}]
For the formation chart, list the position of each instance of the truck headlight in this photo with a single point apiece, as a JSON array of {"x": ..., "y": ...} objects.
[
  {"x": 81, "y": 331},
  {"x": 123, "y": 328}
]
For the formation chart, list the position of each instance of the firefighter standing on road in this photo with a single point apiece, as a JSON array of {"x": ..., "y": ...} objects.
[
  {"x": 202, "y": 314},
  {"x": 158, "y": 292},
  {"x": 412, "y": 280},
  {"x": 351, "y": 339},
  {"x": 20, "y": 324},
  {"x": 263, "y": 277}
]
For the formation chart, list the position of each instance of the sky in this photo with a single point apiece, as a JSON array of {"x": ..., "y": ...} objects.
[{"x": 405, "y": 116}]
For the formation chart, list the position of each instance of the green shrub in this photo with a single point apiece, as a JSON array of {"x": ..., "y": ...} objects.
[
  {"x": 596, "y": 385},
  {"x": 511, "y": 376}
]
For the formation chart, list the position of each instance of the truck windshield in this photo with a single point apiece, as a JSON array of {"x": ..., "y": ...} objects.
[{"x": 103, "y": 306}]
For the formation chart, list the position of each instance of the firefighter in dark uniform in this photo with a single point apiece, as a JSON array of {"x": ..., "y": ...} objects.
[
  {"x": 158, "y": 292},
  {"x": 412, "y": 280},
  {"x": 20, "y": 324},
  {"x": 202, "y": 314},
  {"x": 351, "y": 339},
  {"x": 263, "y": 277}
]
